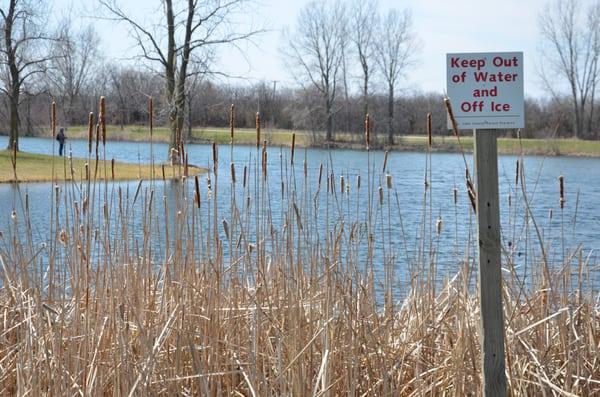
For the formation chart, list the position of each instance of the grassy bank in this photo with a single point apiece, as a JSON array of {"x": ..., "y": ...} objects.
[
  {"x": 41, "y": 168},
  {"x": 277, "y": 137}
]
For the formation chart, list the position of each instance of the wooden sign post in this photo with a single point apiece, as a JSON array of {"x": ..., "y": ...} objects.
[
  {"x": 486, "y": 92},
  {"x": 490, "y": 261}
]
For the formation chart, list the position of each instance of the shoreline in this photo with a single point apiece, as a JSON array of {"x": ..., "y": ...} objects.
[{"x": 555, "y": 147}]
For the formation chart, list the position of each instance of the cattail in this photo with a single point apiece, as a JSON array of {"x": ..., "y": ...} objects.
[
  {"x": 380, "y": 189},
  {"x": 112, "y": 168},
  {"x": 87, "y": 171},
  {"x": 197, "y": 190},
  {"x": 215, "y": 157},
  {"x": 388, "y": 181},
  {"x": 451, "y": 115},
  {"x": 264, "y": 159},
  {"x": 53, "y": 118},
  {"x": 151, "y": 114},
  {"x": 561, "y": 181},
  {"x": 186, "y": 171},
  {"x": 103, "y": 119},
  {"x": 342, "y": 184},
  {"x": 509, "y": 200},
  {"x": 517, "y": 174},
  {"x": 257, "y": 130},
  {"x": 550, "y": 213},
  {"x": 13, "y": 215},
  {"x": 430, "y": 139},
  {"x": 162, "y": 166},
  {"x": 293, "y": 147},
  {"x": 455, "y": 194},
  {"x": 245, "y": 176},
  {"x": 438, "y": 225},
  {"x": 358, "y": 182},
  {"x": 305, "y": 167},
  {"x": 320, "y": 175},
  {"x": 232, "y": 166},
  {"x": 367, "y": 130},
  {"x": 90, "y": 131},
  {"x": 231, "y": 121},
  {"x": 226, "y": 228},
  {"x": 97, "y": 139},
  {"x": 385, "y": 158}
]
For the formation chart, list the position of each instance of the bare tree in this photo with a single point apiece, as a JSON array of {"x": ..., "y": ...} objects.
[
  {"x": 364, "y": 21},
  {"x": 395, "y": 49},
  {"x": 571, "y": 49},
  {"x": 23, "y": 54},
  {"x": 191, "y": 27},
  {"x": 315, "y": 51},
  {"x": 71, "y": 68}
]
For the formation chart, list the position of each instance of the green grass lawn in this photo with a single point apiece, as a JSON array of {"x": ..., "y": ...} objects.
[
  {"x": 41, "y": 168},
  {"x": 278, "y": 137}
]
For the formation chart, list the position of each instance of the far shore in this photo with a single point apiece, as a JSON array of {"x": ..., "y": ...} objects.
[{"x": 279, "y": 137}]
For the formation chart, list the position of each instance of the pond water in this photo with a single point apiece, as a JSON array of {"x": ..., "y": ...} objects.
[{"x": 577, "y": 226}]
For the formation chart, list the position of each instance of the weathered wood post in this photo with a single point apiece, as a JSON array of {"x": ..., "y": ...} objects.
[
  {"x": 490, "y": 261},
  {"x": 486, "y": 91}
]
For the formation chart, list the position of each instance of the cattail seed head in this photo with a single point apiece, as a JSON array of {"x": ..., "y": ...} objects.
[
  {"x": 429, "y": 133},
  {"x": 385, "y": 159},
  {"x": 215, "y": 158},
  {"x": 561, "y": 181},
  {"x": 438, "y": 225},
  {"x": 455, "y": 195},
  {"x": 358, "y": 182},
  {"x": 226, "y": 228},
  {"x": 320, "y": 175},
  {"x": 245, "y": 176},
  {"x": 367, "y": 130},
  {"x": 232, "y": 166},
  {"x": 103, "y": 119},
  {"x": 197, "y": 189},
  {"x": 550, "y": 213},
  {"x": 517, "y": 173},
  {"x": 380, "y": 190},
  {"x": 293, "y": 147},
  {"x": 90, "y": 131},
  {"x": 231, "y": 121},
  {"x": 342, "y": 184},
  {"x": 112, "y": 168},
  {"x": 388, "y": 181},
  {"x": 151, "y": 114},
  {"x": 257, "y": 130},
  {"x": 451, "y": 115}
]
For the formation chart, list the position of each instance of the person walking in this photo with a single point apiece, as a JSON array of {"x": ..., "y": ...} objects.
[{"x": 60, "y": 137}]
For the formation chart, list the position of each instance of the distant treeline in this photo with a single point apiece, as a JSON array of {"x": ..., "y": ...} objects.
[{"x": 208, "y": 103}]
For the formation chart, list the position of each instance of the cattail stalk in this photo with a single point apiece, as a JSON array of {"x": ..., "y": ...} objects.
[
  {"x": 451, "y": 115},
  {"x": 561, "y": 182},
  {"x": 151, "y": 114},
  {"x": 90, "y": 131},
  {"x": 367, "y": 130},
  {"x": 429, "y": 132},
  {"x": 232, "y": 121},
  {"x": 103, "y": 119},
  {"x": 257, "y": 130},
  {"x": 293, "y": 148},
  {"x": 53, "y": 119}
]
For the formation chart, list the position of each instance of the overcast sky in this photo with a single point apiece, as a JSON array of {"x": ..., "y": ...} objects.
[{"x": 442, "y": 26}]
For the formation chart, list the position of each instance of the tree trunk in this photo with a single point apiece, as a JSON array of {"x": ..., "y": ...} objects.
[
  {"x": 391, "y": 115},
  {"x": 329, "y": 136},
  {"x": 13, "y": 139}
]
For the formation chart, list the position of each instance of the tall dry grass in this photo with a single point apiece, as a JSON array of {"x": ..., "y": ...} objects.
[{"x": 244, "y": 304}]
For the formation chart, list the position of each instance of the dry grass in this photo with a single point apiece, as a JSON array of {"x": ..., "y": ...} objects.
[{"x": 242, "y": 304}]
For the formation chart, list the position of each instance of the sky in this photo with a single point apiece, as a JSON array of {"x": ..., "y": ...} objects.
[{"x": 442, "y": 26}]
